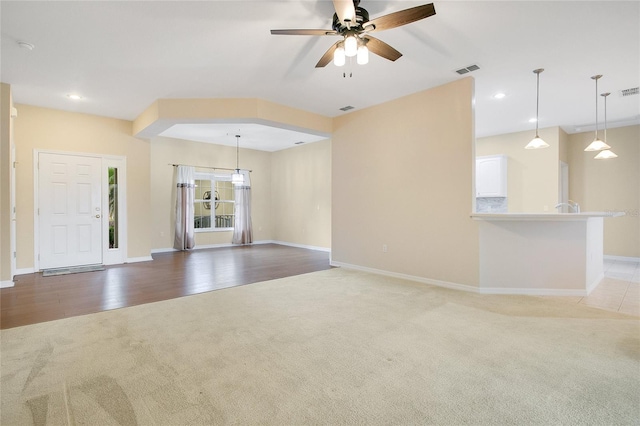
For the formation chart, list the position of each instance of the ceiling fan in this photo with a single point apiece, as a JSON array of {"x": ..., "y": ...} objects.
[{"x": 352, "y": 23}]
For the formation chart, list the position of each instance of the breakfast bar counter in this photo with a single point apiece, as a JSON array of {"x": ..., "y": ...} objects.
[{"x": 541, "y": 253}]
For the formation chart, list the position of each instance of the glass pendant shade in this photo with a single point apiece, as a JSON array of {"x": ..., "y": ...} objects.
[
  {"x": 237, "y": 178},
  {"x": 605, "y": 154},
  {"x": 339, "y": 57},
  {"x": 363, "y": 55},
  {"x": 597, "y": 145},
  {"x": 350, "y": 46},
  {"x": 536, "y": 143}
]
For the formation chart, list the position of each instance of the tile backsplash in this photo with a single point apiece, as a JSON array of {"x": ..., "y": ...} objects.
[{"x": 491, "y": 205}]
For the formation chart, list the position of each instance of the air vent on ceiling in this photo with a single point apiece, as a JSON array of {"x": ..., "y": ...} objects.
[
  {"x": 467, "y": 69},
  {"x": 346, "y": 108},
  {"x": 629, "y": 92},
  {"x": 298, "y": 143}
]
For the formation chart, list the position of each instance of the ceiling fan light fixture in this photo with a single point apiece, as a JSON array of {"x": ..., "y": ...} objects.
[
  {"x": 339, "y": 58},
  {"x": 350, "y": 45},
  {"x": 363, "y": 55}
]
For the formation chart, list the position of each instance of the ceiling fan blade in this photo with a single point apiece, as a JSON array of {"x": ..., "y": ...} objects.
[
  {"x": 401, "y": 17},
  {"x": 328, "y": 55},
  {"x": 381, "y": 48},
  {"x": 304, "y": 32},
  {"x": 345, "y": 10}
]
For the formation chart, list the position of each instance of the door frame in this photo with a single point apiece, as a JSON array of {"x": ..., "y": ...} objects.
[{"x": 109, "y": 256}]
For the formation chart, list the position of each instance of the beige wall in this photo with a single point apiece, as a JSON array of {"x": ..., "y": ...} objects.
[
  {"x": 610, "y": 185},
  {"x": 5, "y": 182},
  {"x": 47, "y": 129},
  {"x": 301, "y": 194},
  {"x": 166, "y": 151},
  {"x": 532, "y": 174},
  {"x": 402, "y": 176}
]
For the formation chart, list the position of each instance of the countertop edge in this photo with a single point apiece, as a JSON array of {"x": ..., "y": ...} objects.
[{"x": 544, "y": 216}]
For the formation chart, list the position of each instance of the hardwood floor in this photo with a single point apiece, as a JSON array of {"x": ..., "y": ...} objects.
[{"x": 35, "y": 298}]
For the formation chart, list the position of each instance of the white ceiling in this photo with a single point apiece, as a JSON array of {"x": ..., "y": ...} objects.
[{"x": 121, "y": 56}]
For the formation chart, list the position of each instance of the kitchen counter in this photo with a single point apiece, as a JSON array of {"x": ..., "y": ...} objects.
[{"x": 541, "y": 253}]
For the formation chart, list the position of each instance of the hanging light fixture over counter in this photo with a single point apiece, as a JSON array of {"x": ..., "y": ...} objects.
[
  {"x": 597, "y": 144},
  {"x": 537, "y": 142},
  {"x": 605, "y": 154},
  {"x": 237, "y": 178}
]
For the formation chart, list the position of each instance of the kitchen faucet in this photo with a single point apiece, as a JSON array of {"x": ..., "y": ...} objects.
[{"x": 572, "y": 204}]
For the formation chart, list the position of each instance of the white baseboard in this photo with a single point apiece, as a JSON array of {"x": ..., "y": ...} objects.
[
  {"x": 532, "y": 291},
  {"x": 438, "y": 283},
  {"x": 622, "y": 258},
  {"x": 6, "y": 284},
  {"x": 210, "y": 246},
  {"x": 24, "y": 271},
  {"x": 139, "y": 259},
  {"x": 284, "y": 243},
  {"x": 464, "y": 287},
  {"x": 593, "y": 285}
]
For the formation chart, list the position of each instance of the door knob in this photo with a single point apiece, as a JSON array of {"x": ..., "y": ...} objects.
[{"x": 97, "y": 216}]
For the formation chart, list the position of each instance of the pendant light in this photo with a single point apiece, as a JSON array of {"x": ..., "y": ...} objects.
[
  {"x": 237, "y": 178},
  {"x": 605, "y": 154},
  {"x": 537, "y": 142},
  {"x": 597, "y": 144}
]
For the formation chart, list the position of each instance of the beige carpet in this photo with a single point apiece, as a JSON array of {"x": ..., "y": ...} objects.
[{"x": 331, "y": 347}]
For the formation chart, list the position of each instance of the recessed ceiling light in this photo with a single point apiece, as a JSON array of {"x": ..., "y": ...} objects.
[
  {"x": 532, "y": 120},
  {"x": 499, "y": 95},
  {"x": 25, "y": 45},
  {"x": 74, "y": 96}
]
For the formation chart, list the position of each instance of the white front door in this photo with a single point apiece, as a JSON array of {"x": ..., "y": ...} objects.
[{"x": 70, "y": 210}]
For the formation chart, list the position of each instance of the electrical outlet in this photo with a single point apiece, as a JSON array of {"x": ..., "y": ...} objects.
[{"x": 384, "y": 248}]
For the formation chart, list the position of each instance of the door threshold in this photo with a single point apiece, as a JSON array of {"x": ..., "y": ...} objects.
[{"x": 71, "y": 270}]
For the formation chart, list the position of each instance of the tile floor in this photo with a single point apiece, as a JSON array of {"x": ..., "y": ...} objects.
[{"x": 619, "y": 290}]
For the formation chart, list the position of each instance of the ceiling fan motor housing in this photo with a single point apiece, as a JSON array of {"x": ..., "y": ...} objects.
[{"x": 362, "y": 16}]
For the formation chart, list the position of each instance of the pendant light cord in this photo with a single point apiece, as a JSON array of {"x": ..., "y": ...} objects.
[
  {"x": 596, "y": 77},
  {"x": 604, "y": 95},
  {"x": 537, "y": 99},
  {"x": 537, "y": 72},
  {"x": 237, "y": 152}
]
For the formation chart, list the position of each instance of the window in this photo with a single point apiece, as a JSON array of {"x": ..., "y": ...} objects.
[
  {"x": 213, "y": 203},
  {"x": 113, "y": 207}
]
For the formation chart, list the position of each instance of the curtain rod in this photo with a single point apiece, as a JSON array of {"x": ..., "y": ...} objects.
[{"x": 207, "y": 167}]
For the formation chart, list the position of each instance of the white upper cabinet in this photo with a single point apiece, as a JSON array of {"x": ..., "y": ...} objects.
[{"x": 491, "y": 176}]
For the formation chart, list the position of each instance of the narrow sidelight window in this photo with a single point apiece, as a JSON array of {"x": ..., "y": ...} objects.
[{"x": 113, "y": 207}]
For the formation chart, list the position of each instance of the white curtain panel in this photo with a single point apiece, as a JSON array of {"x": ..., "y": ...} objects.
[
  {"x": 185, "y": 193},
  {"x": 242, "y": 229}
]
